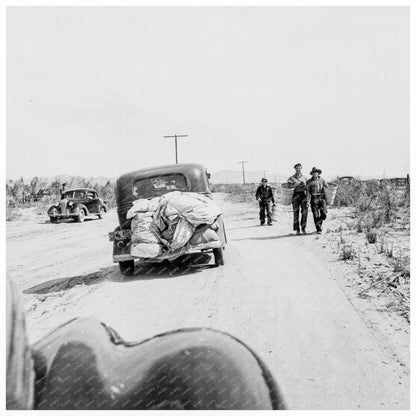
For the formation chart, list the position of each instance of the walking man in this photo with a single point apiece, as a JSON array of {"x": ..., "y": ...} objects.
[
  {"x": 264, "y": 195},
  {"x": 316, "y": 195},
  {"x": 299, "y": 201}
]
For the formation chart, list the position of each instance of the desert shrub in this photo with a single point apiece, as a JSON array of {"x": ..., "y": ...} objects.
[
  {"x": 382, "y": 247},
  {"x": 12, "y": 213},
  {"x": 347, "y": 252},
  {"x": 401, "y": 265},
  {"x": 389, "y": 250},
  {"x": 371, "y": 236},
  {"x": 347, "y": 193},
  {"x": 375, "y": 202}
]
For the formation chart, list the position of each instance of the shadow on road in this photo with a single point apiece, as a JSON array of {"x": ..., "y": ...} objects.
[
  {"x": 272, "y": 237},
  {"x": 189, "y": 264},
  {"x": 239, "y": 228},
  {"x": 67, "y": 221},
  {"x": 56, "y": 285}
]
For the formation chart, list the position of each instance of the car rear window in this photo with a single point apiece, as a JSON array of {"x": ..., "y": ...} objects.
[
  {"x": 79, "y": 194},
  {"x": 159, "y": 185}
]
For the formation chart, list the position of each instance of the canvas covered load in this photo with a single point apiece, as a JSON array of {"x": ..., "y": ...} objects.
[{"x": 167, "y": 224}]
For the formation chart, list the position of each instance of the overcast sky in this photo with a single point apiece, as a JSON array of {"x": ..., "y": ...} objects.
[{"x": 92, "y": 90}]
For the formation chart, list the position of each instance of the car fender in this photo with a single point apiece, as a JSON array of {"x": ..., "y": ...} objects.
[
  {"x": 221, "y": 230},
  {"x": 51, "y": 208},
  {"x": 103, "y": 204},
  {"x": 80, "y": 206}
]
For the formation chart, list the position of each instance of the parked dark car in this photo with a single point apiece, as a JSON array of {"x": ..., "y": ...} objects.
[
  {"x": 152, "y": 182},
  {"x": 78, "y": 204}
]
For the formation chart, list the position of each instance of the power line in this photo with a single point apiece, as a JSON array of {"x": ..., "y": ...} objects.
[
  {"x": 176, "y": 143},
  {"x": 242, "y": 164}
]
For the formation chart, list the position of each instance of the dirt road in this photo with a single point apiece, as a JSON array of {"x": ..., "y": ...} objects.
[{"x": 275, "y": 292}]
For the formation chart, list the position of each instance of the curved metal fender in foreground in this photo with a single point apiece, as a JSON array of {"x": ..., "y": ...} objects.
[{"x": 84, "y": 364}]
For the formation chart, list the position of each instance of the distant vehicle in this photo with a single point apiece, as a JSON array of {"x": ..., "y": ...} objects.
[
  {"x": 346, "y": 179},
  {"x": 78, "y": 204},
  {"x": 152, "y": 182}
]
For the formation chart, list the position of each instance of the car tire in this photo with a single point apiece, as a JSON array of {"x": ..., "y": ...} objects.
[
  {"x": 126, "y": 267},
  {"x": 54, "y": 220},
  {"x": 218, "y": 257},
  {"x": 81, "y": 216},
  {"x": 101, "y": 213}
]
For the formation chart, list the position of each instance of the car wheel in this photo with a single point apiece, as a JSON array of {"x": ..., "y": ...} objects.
[
  {"x": 126, "y": 267},
  {"x": 101, "y": 213},
  {"x": 54, "y": 220},
  {"x": 218, "y": 257},
  {"x": 81, "y": 216}
]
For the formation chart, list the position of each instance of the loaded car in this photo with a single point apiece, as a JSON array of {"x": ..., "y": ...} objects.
[
  {"x": 78, "y": 204},
  {"x": 165, "y": 212}
]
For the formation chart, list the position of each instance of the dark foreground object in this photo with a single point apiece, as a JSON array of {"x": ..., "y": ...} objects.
[{"x": 86, "y": 365}]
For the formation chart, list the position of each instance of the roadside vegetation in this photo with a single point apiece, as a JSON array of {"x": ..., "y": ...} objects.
[
  {"x": 374, "y": 236},
  {"x": 38, "y": 194},
  {"x": 369, "y": 228}
]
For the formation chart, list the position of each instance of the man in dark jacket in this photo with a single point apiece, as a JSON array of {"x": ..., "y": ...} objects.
[
  {"x": 63, "y": 190},
  {"x": 299, "y": 202},
  {"x": 264, "y": 195},
  {"x": 316, "y": 195}
]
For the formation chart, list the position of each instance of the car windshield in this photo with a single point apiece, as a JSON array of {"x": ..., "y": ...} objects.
[{"x": 159, "y": 185}]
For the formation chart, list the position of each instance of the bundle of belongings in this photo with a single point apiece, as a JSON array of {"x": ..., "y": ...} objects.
[{"x": 169, "y": 224}]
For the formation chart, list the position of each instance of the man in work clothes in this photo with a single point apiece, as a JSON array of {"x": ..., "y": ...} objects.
[
  {"x": 62, "y": 190},
  {"x": 316, "y": 195},
  {"x": 299, "y": 201},
  {"x": 264, "y": 195}
]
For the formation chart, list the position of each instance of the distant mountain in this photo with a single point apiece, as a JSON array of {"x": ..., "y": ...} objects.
[{"x": 233, "y": 176}]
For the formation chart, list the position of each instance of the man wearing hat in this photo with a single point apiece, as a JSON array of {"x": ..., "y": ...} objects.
[
  {"x": 299, "y": 201},
  {"x": 63, "y": 190},
  {"x": 316, "y": 195},
  {"x": 264, "y": 195}
]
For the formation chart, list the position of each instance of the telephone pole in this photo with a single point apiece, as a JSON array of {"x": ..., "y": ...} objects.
[
  {"x": 176, "y": 143},
  {"x": 242, "y": 164}
]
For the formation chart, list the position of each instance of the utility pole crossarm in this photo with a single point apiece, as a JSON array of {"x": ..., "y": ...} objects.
[{"x": 175, "y": 136}]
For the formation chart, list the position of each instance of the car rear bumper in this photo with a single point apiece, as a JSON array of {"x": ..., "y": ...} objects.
[{"x": 125, "y": 256}]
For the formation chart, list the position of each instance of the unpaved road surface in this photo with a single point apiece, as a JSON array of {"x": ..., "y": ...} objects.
[{"x": 276, "y": 293}]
